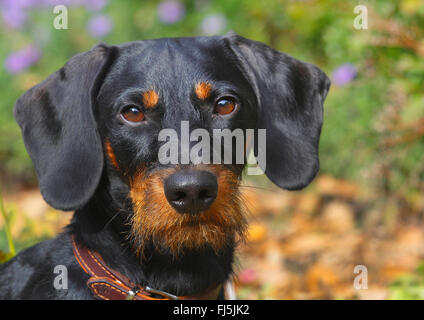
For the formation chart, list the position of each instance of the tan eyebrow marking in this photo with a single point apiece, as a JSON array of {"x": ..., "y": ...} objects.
[
  {"x": 111, "y": 154},
  {"x": 150, "y": 99},
  {"x": 203, "y": 90}
]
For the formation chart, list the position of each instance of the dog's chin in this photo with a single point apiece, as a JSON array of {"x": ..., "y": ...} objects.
[
  {"x": 155, "y": 221},
  {"x": 192, "y": 242}
]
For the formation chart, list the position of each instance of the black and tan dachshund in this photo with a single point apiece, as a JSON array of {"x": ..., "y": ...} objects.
[{"x": 143, "y": 229}]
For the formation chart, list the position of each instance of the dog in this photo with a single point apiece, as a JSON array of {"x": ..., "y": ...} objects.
[{"x": 142, "y": 229}]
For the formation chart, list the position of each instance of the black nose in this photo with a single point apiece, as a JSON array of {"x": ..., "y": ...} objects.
[{"x": 191, "y": 191}]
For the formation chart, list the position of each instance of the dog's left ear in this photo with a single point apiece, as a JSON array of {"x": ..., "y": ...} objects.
[
  {"x": 290, "y": 96},
  {"x": 60, "y": 132}
]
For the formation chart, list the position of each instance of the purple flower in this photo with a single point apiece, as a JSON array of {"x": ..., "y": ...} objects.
[
  {"x": 100, "y": 26},
  {"x": 18, "y": 61},
  {"x": 95, "y": 5},
  {"x": 13, "y": 14},
  {"x": 213, "y": 24},
  {"x": 344, "y": 74},
  {"x": 170, "y": 12},
  {"x": 52, "y": 3},
  {"x": 22, "y": 4}
]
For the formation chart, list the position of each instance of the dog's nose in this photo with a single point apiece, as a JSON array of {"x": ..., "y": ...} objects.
[{"x": 191, "y": 191}]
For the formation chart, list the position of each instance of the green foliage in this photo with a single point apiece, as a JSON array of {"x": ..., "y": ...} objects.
[
  {"x": 6, "y": 215},
  {"x": 409, "y": 287}
]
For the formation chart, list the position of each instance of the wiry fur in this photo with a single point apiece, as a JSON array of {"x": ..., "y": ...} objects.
[{"x": 157, "y": 221}]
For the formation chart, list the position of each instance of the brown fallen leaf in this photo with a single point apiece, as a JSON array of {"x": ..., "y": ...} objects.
[
  {"x": 337, "y": 216},
  {"x": 321, "y": 278},
  {"x": 306, "y": 203},
  {"x": 256, "y": 232},
  {"x": 327, "y": 185}
]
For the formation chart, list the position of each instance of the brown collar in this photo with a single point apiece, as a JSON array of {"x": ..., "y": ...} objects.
[{"x": 108, "y": 284}]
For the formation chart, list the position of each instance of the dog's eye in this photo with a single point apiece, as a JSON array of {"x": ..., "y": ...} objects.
[
  {"x": 132, "y": 114},
  {"x": 225, "y": 106}
]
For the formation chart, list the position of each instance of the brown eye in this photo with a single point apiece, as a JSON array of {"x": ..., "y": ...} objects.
[
  {"x": 225, "y": 106},
  {"x": 132, "y": 114}
]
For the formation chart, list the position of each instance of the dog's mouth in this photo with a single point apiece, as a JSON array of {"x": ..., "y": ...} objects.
[{"x": 176, "y": 214}]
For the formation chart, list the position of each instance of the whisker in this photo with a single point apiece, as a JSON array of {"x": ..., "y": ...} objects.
[
  {"x": 257, "y": 187},
  {"x": 111, "y": 219}
]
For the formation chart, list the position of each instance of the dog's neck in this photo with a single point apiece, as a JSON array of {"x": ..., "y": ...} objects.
[{"x": 102, "y": 226}]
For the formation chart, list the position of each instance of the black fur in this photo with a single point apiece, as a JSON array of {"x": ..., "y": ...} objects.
[{"x": 66, "y": 119}]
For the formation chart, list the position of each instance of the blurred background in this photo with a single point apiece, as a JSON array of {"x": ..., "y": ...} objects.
[{"x": 366, "y": 207}]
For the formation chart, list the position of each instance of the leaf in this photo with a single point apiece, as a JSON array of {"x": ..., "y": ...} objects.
[
  {"x": 6, "y": 217},
  {"x": 4, "y": 257},
  {"x": 256, "y": 232}
]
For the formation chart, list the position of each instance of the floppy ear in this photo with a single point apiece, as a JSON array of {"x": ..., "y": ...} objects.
[
  {"x": 290, "y": 96},
  {"x": 59, "y": 129}
]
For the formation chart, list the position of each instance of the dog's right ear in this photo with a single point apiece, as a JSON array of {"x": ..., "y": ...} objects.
[{"x": 59, "y": 128}]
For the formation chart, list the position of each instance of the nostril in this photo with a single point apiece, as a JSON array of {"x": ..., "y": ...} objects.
[
  {"x": 206, "y": 194},
  {"x": 179, "y": 196}
]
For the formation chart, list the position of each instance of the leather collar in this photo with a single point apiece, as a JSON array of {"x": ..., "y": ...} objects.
[{"x": 108, "y": 284}]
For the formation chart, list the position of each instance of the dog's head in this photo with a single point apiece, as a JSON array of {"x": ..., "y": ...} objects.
[{"x": 105, "y": 112}]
